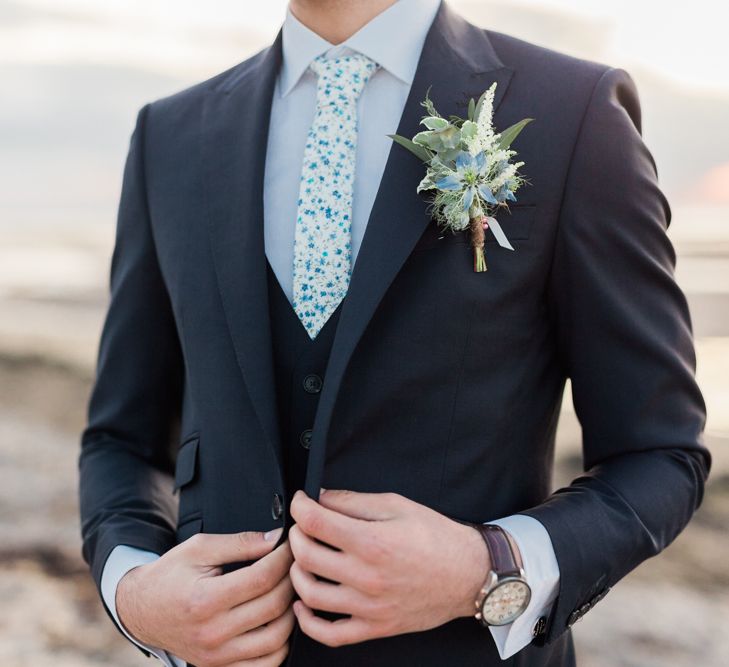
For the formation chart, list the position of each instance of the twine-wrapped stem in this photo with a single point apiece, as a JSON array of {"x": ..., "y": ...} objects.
[{"x": 478, "y": 233}]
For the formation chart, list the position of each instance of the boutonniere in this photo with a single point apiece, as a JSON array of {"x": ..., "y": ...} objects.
[{"x": 469, "y": 167}]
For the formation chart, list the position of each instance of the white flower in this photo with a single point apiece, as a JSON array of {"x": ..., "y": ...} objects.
[{"x": 483, "y": 138}]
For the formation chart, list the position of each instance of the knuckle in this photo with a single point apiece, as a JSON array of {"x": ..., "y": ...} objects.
[
  {"x": 205, "y": 658},
  {"x": 309, "y": 596},
  {"x": 195, "y": 542},
  {"x": 377, "y": 550},
  {"x": 287, "y": 557},
  {"x": 276, "y": 658},
  {"x": 391, "y": 626},
  {"x": 332, "y": 639},
  {"x": 286, "y": 626},
  {"x": 384, "y": 610},
  {"x": 207, "y": 637},
  {"x": 374, "y": 583},
  {"x": 281, "y": 601},
  {"x": 303, "y": 588},
  {"x": 295, "y": 571},
  {"x": 373, "y": 606},
  {"x": 371, "y": 552},
  {"x": 279, "y": 606},
  {"x": 294, "y": 575},
  {"x": 269, "y": 660},
  {"x": 294, "y": 539},
  {"x": 200, "y": 605},
  {"x": 275, "y": 636},
  {"x": 311, "y": 522},
  {"x": 280, "y": 655},
  {"x": 304, "y": 556},
  {"x": 392, "y": 497},
  {"x": 266, "y": 643},
  {"x": 294, "y": 534},
  {"x": 260, "y": 580}
]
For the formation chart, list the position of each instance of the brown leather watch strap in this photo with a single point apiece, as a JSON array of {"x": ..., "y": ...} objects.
[{"x": 503, "y": 561}]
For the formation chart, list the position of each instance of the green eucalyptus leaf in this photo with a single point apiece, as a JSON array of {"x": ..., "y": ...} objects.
[
  {"x": 448, "y": 157},
  {"x": 418, "y": 151},
  {"x": 426, "y": 138},
  {"x": 425, "y": 184},
  {"x": 469, "y": 129},
  {"x": 471, "y": 109},
  {"x": 479, "y": 106},
  {"x": 439, "y": 141},
  {"x": 511, "y": 133},
  {"x": 439, "y": 164},
  {"x": 450, "y": 138},
  {"x": 435, "y": 123}
]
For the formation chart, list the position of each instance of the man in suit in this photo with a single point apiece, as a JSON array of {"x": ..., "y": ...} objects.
[{"x": 285, "y": 316}]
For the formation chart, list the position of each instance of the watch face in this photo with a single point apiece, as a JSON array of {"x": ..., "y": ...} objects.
[{"x": 506, "y": 602}]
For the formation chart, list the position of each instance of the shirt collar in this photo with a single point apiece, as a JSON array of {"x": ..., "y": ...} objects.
[{"x": 393, "y": 39}]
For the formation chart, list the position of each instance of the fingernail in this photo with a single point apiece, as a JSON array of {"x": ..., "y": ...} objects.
[
  {"x": 322, "y": 490},
  {"x": 273, "y": 535}
]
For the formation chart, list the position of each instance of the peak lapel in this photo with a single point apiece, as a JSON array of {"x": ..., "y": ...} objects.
[
  {"x": 234, "y": 136},
  {"x": 458, "y": 62}
]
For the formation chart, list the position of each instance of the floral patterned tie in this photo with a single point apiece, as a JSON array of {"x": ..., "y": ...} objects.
[{"x": 322, "y": 242}]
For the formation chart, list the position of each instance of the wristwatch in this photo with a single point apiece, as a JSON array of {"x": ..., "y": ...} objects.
[{"x": 505, "y": 593}]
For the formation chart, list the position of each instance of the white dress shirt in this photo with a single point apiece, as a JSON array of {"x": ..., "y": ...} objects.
[{"x": 394, "y": 39}]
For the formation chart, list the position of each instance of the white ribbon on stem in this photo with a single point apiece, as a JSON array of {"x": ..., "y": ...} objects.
[{"x": 499, "y": 233}]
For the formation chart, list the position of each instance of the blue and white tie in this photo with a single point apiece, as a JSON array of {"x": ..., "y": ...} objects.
[{"x": 322, "y": 242}]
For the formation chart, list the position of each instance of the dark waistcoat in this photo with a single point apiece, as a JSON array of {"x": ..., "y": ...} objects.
[{"x": 299, "y": 367}]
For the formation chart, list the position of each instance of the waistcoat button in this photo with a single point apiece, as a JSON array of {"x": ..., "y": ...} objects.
[
  {"x": 277, "y": 506},
  {"x": 312, "y": 383},
  {"x": 305, "y": 438}
]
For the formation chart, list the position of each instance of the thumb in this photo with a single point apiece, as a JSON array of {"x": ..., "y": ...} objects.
[
  {"x": 217, "y": 548},
  {"x": 368, "y": 506}
]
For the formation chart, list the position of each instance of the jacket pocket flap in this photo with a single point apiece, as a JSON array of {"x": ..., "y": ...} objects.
[
  {"x": 516, "y": 223},
  {"x": 186, "y": 461}
]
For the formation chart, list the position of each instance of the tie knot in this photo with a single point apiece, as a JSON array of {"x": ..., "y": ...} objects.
[{"x": 343, "y": 77}]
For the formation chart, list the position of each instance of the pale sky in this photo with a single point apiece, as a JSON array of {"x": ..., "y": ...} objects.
[
  {"x": 684, "y": 41},
  {"x": 75, "y": 72},
  {"x": 680, "y": 39}
]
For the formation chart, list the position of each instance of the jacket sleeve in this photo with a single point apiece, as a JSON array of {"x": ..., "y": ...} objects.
[
  {"x": 126, "y": 459},
  {"x": 625, "y": 341}
]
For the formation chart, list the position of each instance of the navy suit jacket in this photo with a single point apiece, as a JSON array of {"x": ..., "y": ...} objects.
[{"x": 443, "y": 384}]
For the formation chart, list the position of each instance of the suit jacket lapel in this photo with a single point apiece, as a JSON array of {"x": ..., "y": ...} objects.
[
  {"x": 459, "y": 62},
  {"x": 234, "y": 137}
]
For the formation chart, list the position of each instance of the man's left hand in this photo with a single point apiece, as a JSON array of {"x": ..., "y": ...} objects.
[{"x": 393, "y": 565}]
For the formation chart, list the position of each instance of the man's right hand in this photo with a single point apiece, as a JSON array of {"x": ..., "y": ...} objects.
[{"x": 184, "y": 604}]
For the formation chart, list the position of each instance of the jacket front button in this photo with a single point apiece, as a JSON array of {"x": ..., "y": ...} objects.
[
  {"x": 277, "y": 506},
  {"x": 313, "y": 383},
  {"x": 305, "y": 438}
]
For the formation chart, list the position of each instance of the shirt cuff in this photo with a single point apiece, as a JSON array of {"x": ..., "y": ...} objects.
[
  {"x": 542, "y": 575},
  {"x": 122, "y": 559}
]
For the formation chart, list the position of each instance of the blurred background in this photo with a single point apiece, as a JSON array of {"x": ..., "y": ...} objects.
[{"x": 73, "y": 74}]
